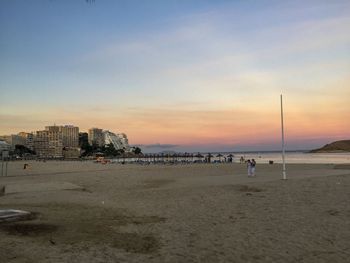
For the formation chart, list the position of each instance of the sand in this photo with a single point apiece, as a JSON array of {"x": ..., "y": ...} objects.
[{"x": 88, "y": 212}]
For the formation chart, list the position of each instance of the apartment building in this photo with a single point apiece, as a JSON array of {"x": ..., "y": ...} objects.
[
  {"x": 49, "y": 143},
  {"x": 96, "y": 136},
  {"x": 70, "y": 134},
  {"x": 70, "y": 139},
  {"x": 29, "y": 139}
]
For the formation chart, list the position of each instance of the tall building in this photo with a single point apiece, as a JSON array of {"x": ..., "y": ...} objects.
[
  {"x": 96, "y": 137},
  {"x": 53, "y": 128},
  {"x": 70, "y": 134},
  {"x": 29, "y": 139},
  {"x": 119, "y": 141},
  {"x": 56, "y": 143},
  {"x": 49, "y": 143},
  {"x": 124, "y": 140}
]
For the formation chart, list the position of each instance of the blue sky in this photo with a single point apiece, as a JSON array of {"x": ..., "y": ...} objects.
[{"x": 153, "y": 69}]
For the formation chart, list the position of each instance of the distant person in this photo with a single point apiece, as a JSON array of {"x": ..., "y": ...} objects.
[
  {"x": 249, "y": 167},
  {"x": 241, "y": 160},
  {"x": 253, "y": 164}
]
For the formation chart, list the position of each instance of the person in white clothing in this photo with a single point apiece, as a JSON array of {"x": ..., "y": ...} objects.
[
  {"x": 253, "y": 164},
  {"x": 249, "y": 167}
]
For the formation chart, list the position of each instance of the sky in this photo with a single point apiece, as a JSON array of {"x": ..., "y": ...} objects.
[{"x": 179, "y": 75}]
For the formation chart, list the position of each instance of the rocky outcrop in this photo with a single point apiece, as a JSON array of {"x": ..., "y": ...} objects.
[{"x": 334, "y": 147}]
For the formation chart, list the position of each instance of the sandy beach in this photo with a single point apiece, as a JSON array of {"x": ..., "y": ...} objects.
[{"x": 88, "y": 212}]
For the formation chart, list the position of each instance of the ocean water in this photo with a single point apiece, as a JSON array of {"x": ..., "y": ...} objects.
[
  {"x": 296, "y": 157},
  {"x": 260, "y": 157}
]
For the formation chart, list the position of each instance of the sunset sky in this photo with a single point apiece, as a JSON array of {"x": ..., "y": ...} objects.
[{"x": 179, "y": 75}]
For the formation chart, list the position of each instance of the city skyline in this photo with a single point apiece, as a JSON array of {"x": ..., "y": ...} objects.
[
  {"x": 179, "y": 75},
  {"x": 65, "y": 141}
]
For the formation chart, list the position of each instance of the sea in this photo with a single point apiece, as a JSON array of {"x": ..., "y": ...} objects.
[
  {"x": 295, "y": 157},
  {"x": 301, "y": 157}
]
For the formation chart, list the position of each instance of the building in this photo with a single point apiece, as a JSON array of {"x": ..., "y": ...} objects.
[
  {"x": 119, "y": 141},
  {"x": 70, "y": 139},
  {"x": 4, "y": 146},
  {"x": 96, "y": 137},
  {"x": 70, "y": 134},
  {"x": 29, "y": 139},
  {"x": 124, "y": 140},
  {"x": 49, "y": 144},
  {"x": 13, "y": 140}
]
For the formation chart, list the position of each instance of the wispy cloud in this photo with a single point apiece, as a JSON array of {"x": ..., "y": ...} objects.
[{"x": 198, "y": 59}]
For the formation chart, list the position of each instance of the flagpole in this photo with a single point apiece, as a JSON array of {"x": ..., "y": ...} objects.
[{"x": 283, "y": 150}]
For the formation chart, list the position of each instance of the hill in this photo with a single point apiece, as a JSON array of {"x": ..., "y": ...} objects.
[{"x": 338, "y": 146}]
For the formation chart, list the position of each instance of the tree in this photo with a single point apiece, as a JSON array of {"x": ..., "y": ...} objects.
[
  {"x": 137, "y": 150},
  {"x": 22, "y": 150},
  {"x": 86, "y": 148},
  {"x": 110, "y": 150}
]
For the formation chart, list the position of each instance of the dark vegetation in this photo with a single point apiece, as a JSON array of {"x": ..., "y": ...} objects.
[{"x": 21, "y": 150}]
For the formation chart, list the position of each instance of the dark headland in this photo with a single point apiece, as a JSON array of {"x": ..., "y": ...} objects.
[{"x": 334, "y": 147}]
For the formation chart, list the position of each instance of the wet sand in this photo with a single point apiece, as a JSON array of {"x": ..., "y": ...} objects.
[{"x": 88, "y": 212}]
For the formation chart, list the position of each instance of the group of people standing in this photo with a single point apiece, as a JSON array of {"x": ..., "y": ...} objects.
[{"x": 251, "y": 167}]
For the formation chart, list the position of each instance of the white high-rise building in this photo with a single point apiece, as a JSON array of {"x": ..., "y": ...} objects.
[
  {"x": 124, "y": 140},
  {"x": 119, "y": 141}
]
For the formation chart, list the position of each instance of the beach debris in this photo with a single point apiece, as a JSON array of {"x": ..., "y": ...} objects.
[
  {"x": 13, "y": 215},
  {"x": 52, "y": 241},
  {"x": 103, "y": 202},
  {"x": 333, "y": 212},
  {"x": 246, "y": 188},
  {"x": 28, "y": 229}
]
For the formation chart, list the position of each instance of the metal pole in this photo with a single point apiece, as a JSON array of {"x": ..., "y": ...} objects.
[
  {"x": 2, "y": 167},
  {"x": 283, "y": 150}
]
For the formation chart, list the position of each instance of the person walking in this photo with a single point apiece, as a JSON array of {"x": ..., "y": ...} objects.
[
  {"x": 249, "y": 167},
  {"x": 253, "y": 164}
]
